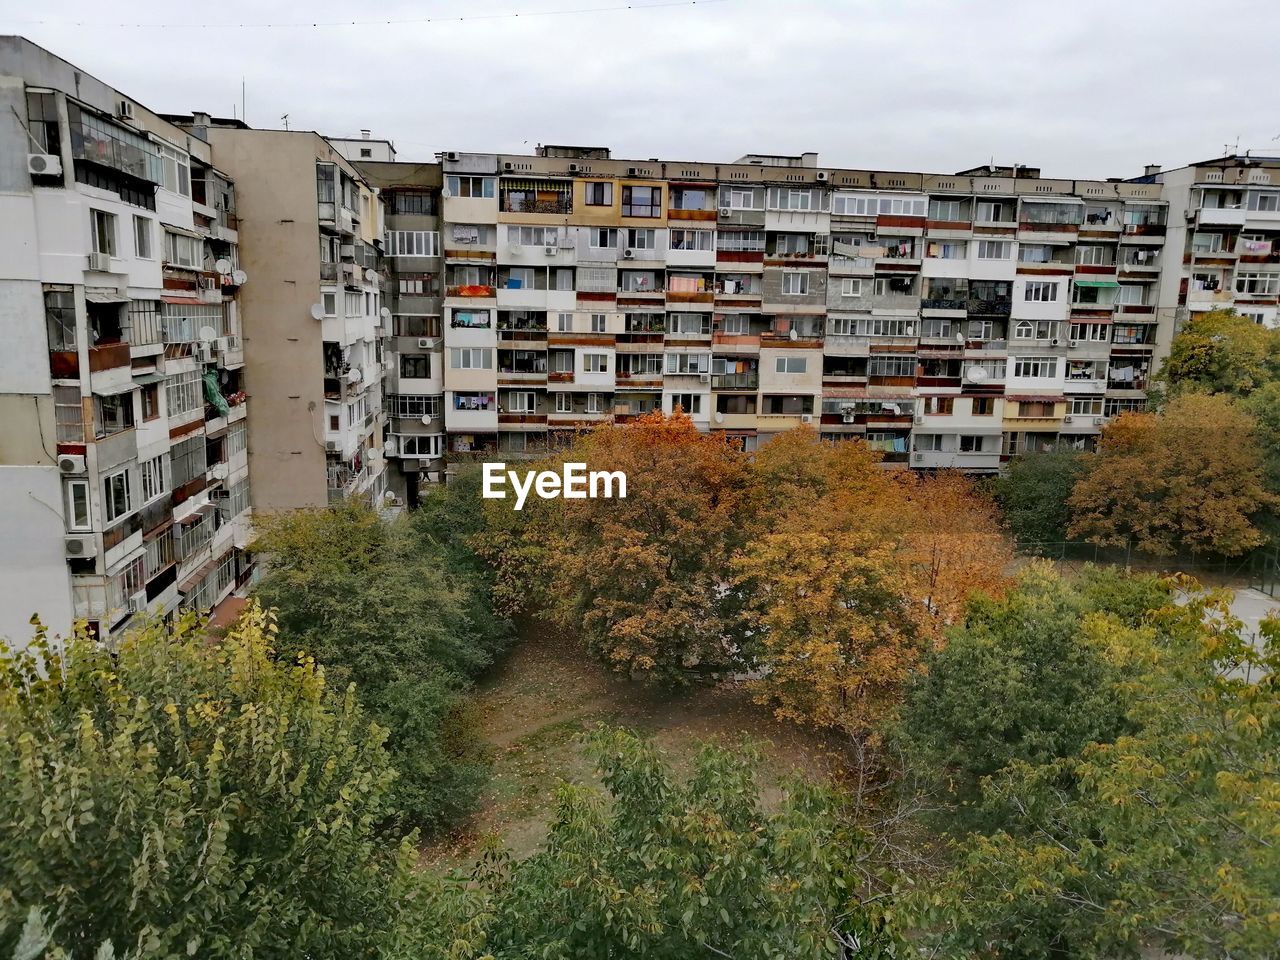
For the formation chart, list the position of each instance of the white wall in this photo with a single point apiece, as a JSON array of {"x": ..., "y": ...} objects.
[{"x": 34, "y": 575}]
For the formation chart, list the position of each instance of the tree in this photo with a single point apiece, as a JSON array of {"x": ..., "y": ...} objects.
[
  {"x": 670, "y": 870},
  {"x": 1190, "y": 477},
  {"x": 1033, "y": 493},
  {"x": 183, "y": 795},
  {"x": 639, "y": 579},
  {"x": 1020, "y": 682},
  {"x": 1166, "y": 836},
  {"x": 1221, "y": 352},
  {"x": 397, "y": 608}
]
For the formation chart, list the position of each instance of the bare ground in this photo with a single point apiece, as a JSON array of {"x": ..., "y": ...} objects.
[{"x": 547, "y": 692}]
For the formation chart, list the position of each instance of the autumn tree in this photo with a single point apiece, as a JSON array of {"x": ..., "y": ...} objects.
[
  {"x": 1221, "y": 352},
  {"x": 1164, "y": 837},
  {"x": 1190, "y": 477},
  {"x": 187, "y": 796}
]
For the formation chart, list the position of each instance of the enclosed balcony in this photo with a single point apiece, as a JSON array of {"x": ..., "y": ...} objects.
[{"x": 535, "y": 196}]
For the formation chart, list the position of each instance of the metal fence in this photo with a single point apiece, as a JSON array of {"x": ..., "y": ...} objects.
[{"x": 1261, "y": 568}]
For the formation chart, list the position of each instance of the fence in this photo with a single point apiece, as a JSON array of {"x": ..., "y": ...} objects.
[{"x": 1260, "y": 568}]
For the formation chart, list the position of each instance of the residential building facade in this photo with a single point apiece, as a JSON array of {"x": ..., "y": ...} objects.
[{"x": 123, "y": 436}]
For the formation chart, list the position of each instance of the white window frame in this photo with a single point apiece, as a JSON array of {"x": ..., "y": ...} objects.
[
  {"x": 78, "y": 504},
  {"x": 994, "y": 249},
  {"x": 791, "y": 279},
  {"x": 111, "y": 512},
  {"x": 791, "y": 365}
]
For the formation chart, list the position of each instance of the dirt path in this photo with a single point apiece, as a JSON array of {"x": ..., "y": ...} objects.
[{"x": 547, "y": 692}]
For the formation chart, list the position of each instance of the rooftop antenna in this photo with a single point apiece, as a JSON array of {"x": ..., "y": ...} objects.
[{"x": 284, "y": 118}]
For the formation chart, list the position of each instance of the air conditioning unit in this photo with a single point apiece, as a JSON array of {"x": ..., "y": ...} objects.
[
  {"x": 1067, "y": 418},
  {"x": 919, "y": 418},
  {"x": 806, "y": 418},
  {"x": 633, "y": 171},
  {"x": 203, "y": 352},
  {"x": 70, "y": 463},
  {"x": 821, "y": 175},
  {"x": 1072, "y": 343},
  {"x": 1099, "y": 421},
  {"x": 424, "y": 343},
  {"x": 451, "y": 155},
  {"x": 628, "y": 254},
  {"x": 726, "y": 211},
  {"x": 81, "y": 546},
  {"x": 1054, "y": 342},
  {"x": 100, "y": 261},
  {"x": 917, "y": 457},
  {"x": 138, "y": 602},
  {"x": 44, "y": 165},
  {"x": 347, "y": 251},
  {"x": 124, "y": 110},
  {"x": 551, "y": 251},
  {"x": 332, "y": 446},
  {"x": 573, "y": 168},
  {"x": 508, "y": 166},
  {"x": 704, "y": 377}
]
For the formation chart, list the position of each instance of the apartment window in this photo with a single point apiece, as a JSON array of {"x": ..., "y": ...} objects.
[
  {"x": 533, "y": 236},
  {"x": 1039, "y": 291},
  {"x": 1035, "y": 367},
  {"x": 936, "y": 327},
  {"x": 970, "y": 443},
  {"x": 237, "y": 438},
  {"x": 353, "y": 303},
  {"x": 415, "y": 366},
  {"x": 598, "y": 322},
  {"x": 995, "y": 211},
  {"x": 927, "y": 442},
  {"x": 470, "y": 358},
  {"x": 688, "y": 402},
  {"x": 892, "y": 286},
  {"x": 416, "y": 284},
  {"x": 851, "y": 287},
  {"x": 42, "y": 119},
  {"x": 740, "y": 240},
  {"x": 946, "y": 210},
  {"x": 329, "y": 300},
  {"x": 187, "y": 460},
  {"x": 412, "y": 203},
  {"x": 522, "y": 401},
  {"x": 598, "y": 194},
  {"x": 1093, "y": 332},
  {"x": 642, "y": 239},
  {"x": 182, "y": 394},
  {"x": 181, "y": 250},
  {"x": 688, "y": 363},
  {"x": 563, "y": 402},
  {"x": 983, "y": 406},
  {"x": 735, "y": 325},
  {"x": 115, "y": 414},
  {"x": 994, "y": 249},
  {"x": 685, "y": 239},
  {"x": 176, "y": 170},
  {"x": 1094, "y": 256},
  {"x": 117, "y": 495},
  {"x": 76, "y": 499},
  {"x": 142, "y": 237},
  {"x": 1258, "y": 284},
  {"x": 947, "y": 249},
  {"x": 595, "y": 363},
  {"x": 602, "y": 238},
  {"x": 1085, "y": 407},
  {"x": 890, "y": 366},
  {"x": 564, "y": 322},
  {"x": 102, "y": 227},
  {"x": 641, "y": 201},
  {"x": 595, "y": 403},
  {"x": 689, "y": 323},
  {"x": 412, "y": 243},
  {"x": 154, "y": 476},
  {"x": 478, "y": 187},
  {"x": 1088, "y": 295},
  {"x": 1206, "y": 243},
  {"x": 68, "y": 414},
  {"x": 1267, "y": 202},
  {"x": 739, "y": 198},
  {"x": 792, "y": 244},
  {"x": 1034, "y": 253},
  {"x": 795, "y": 283},
  {"x": 1133, "y": 294},
  {"x": 981, "y": 330},
  {"x": 1034, "y": 330},
  {"x": 60, "y": 319},
  {"x": 939, "y": 406}
]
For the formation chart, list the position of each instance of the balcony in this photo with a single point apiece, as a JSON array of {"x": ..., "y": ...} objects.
[
  {"x": 943, "y": 303},
  {"x": 470, "y": 290},
  {"x": 735, "y": 381},
  {"x": 1222, "y": 216},
  {"x": 109, "y": 356},
  {"x": 994, "y": 307}
]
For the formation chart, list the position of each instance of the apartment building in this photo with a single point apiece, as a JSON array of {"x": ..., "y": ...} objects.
[
  {"x": 123, "y": 463},
  {"x": 951, "y": 320},
  {"x": 314, "y": 313}
]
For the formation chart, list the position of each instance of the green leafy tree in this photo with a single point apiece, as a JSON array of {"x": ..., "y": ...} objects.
[
  {"x": 400, "y": 609},
  {"x": 671, "y": 870},
  {"x": 1033, "y": 494},
  {"x": 1221, "y": 352},
  {"x": 183, "y": 796},
  {"x": 1166, "y": 836}
]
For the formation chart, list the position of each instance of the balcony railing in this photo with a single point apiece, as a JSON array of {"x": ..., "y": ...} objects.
[
  {"x": 558, "y": 205},
  {"x": 735, "y": 381},
  {"x": 993, "y": 307}
]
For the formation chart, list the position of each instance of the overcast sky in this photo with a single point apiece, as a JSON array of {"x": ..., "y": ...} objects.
[{"x": 1081, "y": 88}]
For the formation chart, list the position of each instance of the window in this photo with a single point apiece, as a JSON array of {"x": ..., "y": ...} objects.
[
  {"x": 416, "y": 284},
  {"x": 939, "y": 406},
  {"x": 1085, "y": 407},
  {"x": 739, "y": 198},
  {"x": 60, "y": 319},
  {"x": 476, "y": 187},
  {"x": 154, "y": 476},
  {"x": 1093, "y": 332},
  {"x": 564, "y": 322},
  {"x": 42, "y": 120},
  {"x": 642, "y": 239},
  {"x": 1035, "y": 330},
  {"x": 102, "y": 227},
  {"x": 598, "y": 322},
  {"x": 995, "y": 211},
  {"x": 930, "y": 442},
  {"x": 415, "y": 366},
  {"x": 602, "y": 238},
  {"x": 564, "y": 402},
  {"x": 181, "y": 250},
  {"x": 533, "y": 236},
  {"x": 688, "y": 363},
  {"x": 561, "y": 361},
  {"x": 412, "y": 243},
  {"x": 947, "y": 249},
  {"x": 522, "y": 401},
  {"x": 851, "y": 287},
  {"x": 641, "y": 201},
  {"x": 595, "y": 403},
  {"x": 187, "y": 460},
  {"x": 946, "y": 210},
  {"x": 688, "y": 402},
  {"x": 693, "y": 239},
  {"x": 970, "y": 443},
  {"x": 117, "y": 494},
  {"x": 735, "y": 325},
  {"x": 890, "y": 366},
  {"x": 176, "y": 170},
  {"x": 981, "y": 330},
  {"x": 994, "y": 249},
  {"x": 329, "y": 300},
  {"x": 470, "y": 319},
  {"x": 1133, "y": 294},
  {"x": 1206, "y": 243},
  {"x": 142, "y": 237},
  {"x": 595, "y": 363},
  {"x": 411, "y": 203},
  {"x": 795, "y": 283},
  {"x": 237, "y": 438},
  {"x": 792, "y": 244},
  {"x": 1039, "y": 291},
  {"x": 1258, "y": 284},
  {"x": 892, "y": 286},
  {"x": 1094, "y": 256},
  {"x": 182, "y": 394},
  {"x": 598, "y": 194},
  {"x": 983, "y": 406},
  {"x": 76, "y": 498},
  {"x": 861, "y": 205},
  {"x": 353, "y": 303},
  {"x": 1035, "y": 367},
  {"x": 471, "y": 358},
  {"x": 115, "y": 414}
]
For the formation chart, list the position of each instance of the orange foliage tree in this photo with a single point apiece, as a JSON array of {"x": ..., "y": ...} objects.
[{"x": 1190, "y": 477}]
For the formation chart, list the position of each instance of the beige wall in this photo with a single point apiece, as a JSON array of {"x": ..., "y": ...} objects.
[{"x": 284, "y": 354}]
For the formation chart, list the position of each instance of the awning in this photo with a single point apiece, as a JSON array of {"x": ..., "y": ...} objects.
[
  {"x": 1033, "y": 398},
  {"x": 1097, "y": 283},
  {"x": 1053, "y": 200},
  {"x": 556, "y": 185},
  {"x": 112, "y": 391},
  {"x": 182, "y": 231},
  {"x": 185, "y": 301},
  {"x": 142, "y": 379},
  {"x": 95, "y": 297}
]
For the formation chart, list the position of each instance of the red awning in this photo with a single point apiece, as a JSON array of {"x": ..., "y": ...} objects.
[{"x": 184, "y": 301}]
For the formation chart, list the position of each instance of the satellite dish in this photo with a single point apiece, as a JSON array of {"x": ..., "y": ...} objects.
[
  {"x": 208, "y": 334},
  {"x": 317, "y": 311},
  {"x": 389, "y": 448},
  {"x": 354, "y": 375},
  {"x": 719, "y": 417},
  {"x": 384, "y": 312},
  {"x": 239, "y": 277},
  {"x": 389, "y": 496},
  {"x": 426, "y": 419},
  {"x": 222, "y": 265},
  {"x": 370, "y": 275},
  {"x": 976, "y": 375},
  {"x": 794, "y": 335}
]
